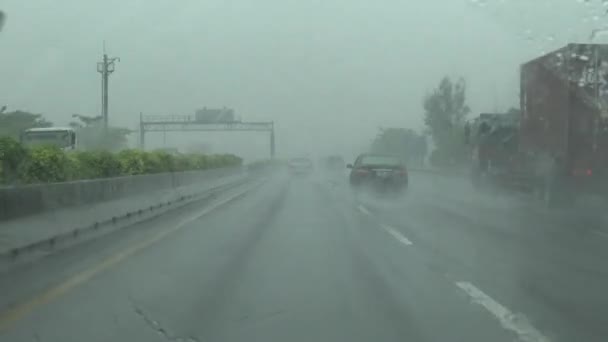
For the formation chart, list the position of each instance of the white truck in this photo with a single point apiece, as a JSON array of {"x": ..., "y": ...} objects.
[{"x": 62, "y": 137}]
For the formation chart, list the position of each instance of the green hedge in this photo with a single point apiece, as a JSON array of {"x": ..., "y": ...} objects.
[{"x": 44, "y": 164}]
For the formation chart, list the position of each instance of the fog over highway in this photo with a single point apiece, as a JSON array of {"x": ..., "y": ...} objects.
[{"x": 209, "y": 233}]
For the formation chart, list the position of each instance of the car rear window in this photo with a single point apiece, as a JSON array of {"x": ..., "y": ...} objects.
[{"x": 381, "y": 160}]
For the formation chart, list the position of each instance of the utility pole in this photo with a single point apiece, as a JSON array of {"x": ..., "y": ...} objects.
[
  {"x": 105, "y": 68},
  {"x": 2, "y": 18},
  {"x": 142, "y": 132}
]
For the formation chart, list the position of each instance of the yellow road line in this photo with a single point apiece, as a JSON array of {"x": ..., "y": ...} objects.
[{"x": 9, "y": 317}]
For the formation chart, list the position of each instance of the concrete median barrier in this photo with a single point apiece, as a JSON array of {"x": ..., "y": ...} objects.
[
  {"x": 29, "y": 200},
  {"x": 37, "y": 219}
]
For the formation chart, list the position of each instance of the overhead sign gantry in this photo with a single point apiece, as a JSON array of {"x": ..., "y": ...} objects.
[{"x": 187, "y": 123}]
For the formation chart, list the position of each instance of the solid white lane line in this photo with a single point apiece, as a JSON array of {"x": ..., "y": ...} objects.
[
  {"x": 516, "y": 323},
  {"x": 398, "y": 236},
  {"x": 364, "y": 210}
]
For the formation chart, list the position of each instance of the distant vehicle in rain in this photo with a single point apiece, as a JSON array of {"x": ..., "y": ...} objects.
[
  {"x": 334, "y": 163},
  {"x": 300, "y": 166},
  {"x": 379, "y": 172},
  {"x": 62, "y": 137}
]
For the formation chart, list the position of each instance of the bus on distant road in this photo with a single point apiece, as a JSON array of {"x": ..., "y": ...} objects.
[{"x": 62, "y": 137}]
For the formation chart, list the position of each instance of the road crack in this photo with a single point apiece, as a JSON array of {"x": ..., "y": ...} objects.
[{"x": 159, "y": 328}]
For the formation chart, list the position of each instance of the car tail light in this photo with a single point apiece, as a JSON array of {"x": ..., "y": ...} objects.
[
  {"x": 403, "y": 173},
  {"x": 582, "y": 172},
  {"x": 362, "y": 172}
]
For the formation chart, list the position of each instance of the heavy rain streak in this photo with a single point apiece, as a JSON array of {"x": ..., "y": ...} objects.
[{"x": 282, "y": 170}]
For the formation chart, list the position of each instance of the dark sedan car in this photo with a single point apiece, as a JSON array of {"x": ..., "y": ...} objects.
[{"x": 379, "y": 172}]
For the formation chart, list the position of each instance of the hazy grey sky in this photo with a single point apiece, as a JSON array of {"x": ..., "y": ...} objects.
[{"x": 329, "y": 72}]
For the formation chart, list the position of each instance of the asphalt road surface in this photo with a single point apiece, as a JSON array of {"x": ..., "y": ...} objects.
[{"x": 306, "y": 259}]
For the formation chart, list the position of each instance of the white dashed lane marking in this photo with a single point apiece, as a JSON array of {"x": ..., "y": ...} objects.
[
  {"x": 392, "y": 231},
  {"x": 398, "y": 236},
  {"x": 364, "y": 210},
  {"x": 600, "y": 233},
  {"x": 516, "y": 323}
]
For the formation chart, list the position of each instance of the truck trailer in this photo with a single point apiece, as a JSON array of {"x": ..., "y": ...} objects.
[{"x": 556, "y": 145}]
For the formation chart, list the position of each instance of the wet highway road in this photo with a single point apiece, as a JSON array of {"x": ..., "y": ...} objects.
[{"x": 305, "y": 259}]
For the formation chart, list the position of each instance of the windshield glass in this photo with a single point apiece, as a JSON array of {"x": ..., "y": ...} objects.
[{"x": 304, "y": 170}]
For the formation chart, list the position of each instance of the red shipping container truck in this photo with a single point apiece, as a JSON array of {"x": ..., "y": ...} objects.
[{"x": 557, "y": 144}]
